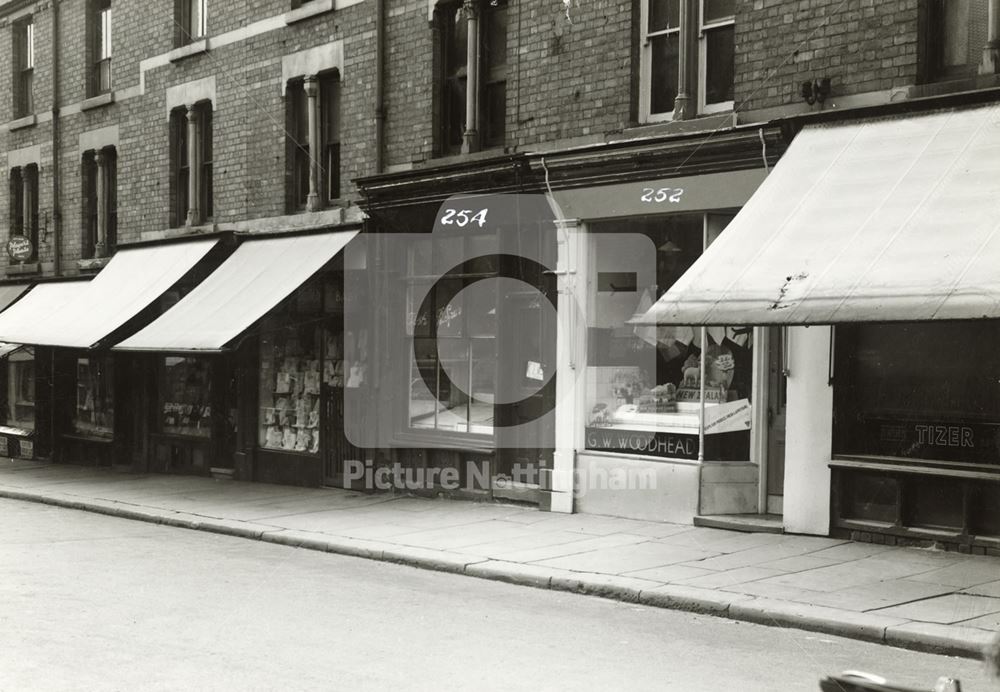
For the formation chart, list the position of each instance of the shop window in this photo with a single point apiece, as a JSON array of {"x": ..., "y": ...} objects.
[
  {"x": 24, "y": 67},
  {"x": 185, "y": 396},
  {"x": 190, "y": 20},
  {"x": 99, "y": 46},
  {"x": 301, "y": 153},
  {"x": 24, "y": 206},
  {"x": 704, "y": 31},
  {"x": 644, "y": 383},
  {"x": 19, "y": 411},
  {"x": 100, "y": 203},
  {"x": 453, "y": 375},
  {"x": 490, "y": 79},
  {"x": 921, "y": 391},
  {"x": 292, "y": 369},
  {"x": 94, "y": 414},
  {"x": 189, "y": 159},
  {"x": 953, "y": 38}
]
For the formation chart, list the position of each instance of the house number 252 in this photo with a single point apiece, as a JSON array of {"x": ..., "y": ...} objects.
[
  {"x": 664, "y": 194},
  {"x": 462, "y": 218}
]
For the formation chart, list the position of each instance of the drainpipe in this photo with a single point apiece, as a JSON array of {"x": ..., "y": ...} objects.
[
  {"x": 379, "y": 85},
  {"x": 56, "y": 206}
]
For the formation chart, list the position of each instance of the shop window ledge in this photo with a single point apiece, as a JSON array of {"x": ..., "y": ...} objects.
[
  {"x": 17, "y": 432},
  {"x": 21, "y": 123},
  {"x": 83, "y": 437},
  {"x": 863, "y": 464},
  {"x": 93, "y": 264},
  {"x": 186, "y": 51},
  {"x": 29, "y": 268},
  {"x": 107, "y": 98},
  {"x": 309, "y": 10}
]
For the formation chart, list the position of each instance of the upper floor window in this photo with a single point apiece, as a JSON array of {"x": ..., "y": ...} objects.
[
  {"x": 24, "y": 67},
  {"x": 686, "y": 57},
  {"x": 954, "y": 34},
  {"x": 191, "y": 155},
  {"x": 313, "y": 158},
  {"x": 100, "y": 203},
  {"x": 461, "y": 128},
  {"x": 24, "y": 205},
  {"x": 190, "y": 20},
  {"x": 99, "y": 40}
]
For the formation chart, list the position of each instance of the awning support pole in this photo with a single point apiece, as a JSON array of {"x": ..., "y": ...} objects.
[{"x": 701, "y": 385}]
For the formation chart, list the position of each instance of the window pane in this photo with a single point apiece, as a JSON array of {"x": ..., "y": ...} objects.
[
  {"x": 95, "y": 404},
  {"x": 644, "y": 383},
  {"x": 290, "y": 382},
  {"x": 718, "y": 10},
  {"x": 719, "y": 60},
  {"x": 955, "y": 32},
  {"x": 663, "y": 14},
  {"x": 483, "y": 386},
  {"x": 21, "y": 389},
  {"x": 496, "y": 113},
  {"x": 663, "y": 73},
  {"x": 185, "y": 394},
  {"x": 495, "y": 40}
]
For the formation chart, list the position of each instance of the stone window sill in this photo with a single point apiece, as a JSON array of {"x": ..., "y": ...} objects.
[
  {"x": 198, "y": 47},
  {"x": 92, "y": 264},
  {"x": 308, "y": 10},
  {"x": 98, "y": 101},
  {"x": 21, "y": 123},
  {"x": 26, "y": 268}
]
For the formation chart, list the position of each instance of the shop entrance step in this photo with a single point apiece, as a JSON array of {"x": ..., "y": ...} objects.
[{"x": 751, "y": 523}]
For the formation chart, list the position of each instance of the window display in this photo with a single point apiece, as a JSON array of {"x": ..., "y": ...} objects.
[
  {"x": 290, "y": 377},
  {"x": 918, "y": 390},
  {"x": 185, "y": 396},
  {"x": 95, "y": 411},
  {"x": 20, "y": 407},
  {"x": 453, "y": 374},
  {"x": 644, "y": 382}
]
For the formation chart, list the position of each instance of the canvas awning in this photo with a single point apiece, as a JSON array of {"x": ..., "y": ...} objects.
[
  {"x": 879, "y": 220},
  {"x": 256, "y": 277},
  {"x": 80, "y": 315}
]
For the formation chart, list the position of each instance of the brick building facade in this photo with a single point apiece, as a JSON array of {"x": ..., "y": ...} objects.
[{"x": 134, "y": 123}]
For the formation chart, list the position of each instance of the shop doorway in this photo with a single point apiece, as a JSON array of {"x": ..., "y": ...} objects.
[{"x": 776, "y": 405}]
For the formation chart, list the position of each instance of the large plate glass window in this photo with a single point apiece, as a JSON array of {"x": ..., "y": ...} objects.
[
  {"x": 20, "y": 395},
  {"x": 185, "y": 396},
  {"x": 644, "y": 382},
  {"x": 94, "y": 413}
]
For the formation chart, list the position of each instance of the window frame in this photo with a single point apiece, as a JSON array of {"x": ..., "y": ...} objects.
[
  {"x": 646, "y": 63},
  {"x": 90, "y": 172},
  {"x": 23, "y": 76},
  {"x": 101, "y": 47},
  {"x": 190, "y": 26},
  {"x": 180, "y": 167},
  {"x": 692, "y": 34},
  {"x": 704, "y": 28},
  {"x": 24, "y": 180}
]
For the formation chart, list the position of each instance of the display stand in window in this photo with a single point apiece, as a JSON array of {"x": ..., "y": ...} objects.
[
  {"x": 290, "y": 384},
  {"x": 186, "y": 396},
  {"x": 94, "y": 414}
]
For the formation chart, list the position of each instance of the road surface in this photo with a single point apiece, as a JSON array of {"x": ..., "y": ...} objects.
[{"x": 90, "y": 602}]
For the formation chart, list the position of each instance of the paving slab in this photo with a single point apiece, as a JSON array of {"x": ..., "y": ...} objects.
[
  {"x": 628, "y": 558},
  {"x": 740, "y": 575},
  {"x": 991, "y": 588},
  {"x": 947, "y": 609},
  {"x": 963, "y": 574},
  {"x": 880, "y": 595},
  {"x": 670, "y": 573},
  {"x": 581, "y": 545}
]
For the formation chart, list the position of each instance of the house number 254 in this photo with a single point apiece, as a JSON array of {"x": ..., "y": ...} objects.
[
  {"x": 462, "y": 218},
  {"x": 664, "y": 194}
]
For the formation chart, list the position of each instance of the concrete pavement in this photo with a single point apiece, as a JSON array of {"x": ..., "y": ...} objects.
[{"x": 909, "y": 597}]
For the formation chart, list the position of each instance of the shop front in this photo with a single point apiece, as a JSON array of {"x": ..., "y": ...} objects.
[
  {"x": 872, "y": 248},
  {"x": 84, "y": 408},
  {"x": 664, "y": 425},
  {"x": 248, "y": 366}
]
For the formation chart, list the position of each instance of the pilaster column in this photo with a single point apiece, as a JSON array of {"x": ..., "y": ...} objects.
[
  {"x": 571, "y": 343},
  {"x": 682, "y": 106},
  {"x": 311, "y": 86},
  {"x": 101, "y": 241},
  {"x": 194, "y": 167},
  {"x": 470, "y": 140},
  {"x": 991, "y": 52}
]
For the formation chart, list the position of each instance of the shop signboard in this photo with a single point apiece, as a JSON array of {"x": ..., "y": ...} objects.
[
  {"x": 3, "y": 446},
  {"x": 941, "y": 440},
  {"x": 27, "y": 449}
]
